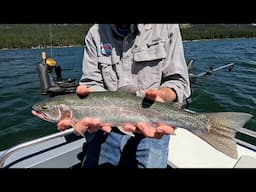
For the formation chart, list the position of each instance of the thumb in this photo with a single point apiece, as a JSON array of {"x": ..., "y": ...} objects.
[{"x": 153, "y": 94}]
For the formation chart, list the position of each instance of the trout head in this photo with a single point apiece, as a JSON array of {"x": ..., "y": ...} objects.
[{"x": 51, "y": 113}]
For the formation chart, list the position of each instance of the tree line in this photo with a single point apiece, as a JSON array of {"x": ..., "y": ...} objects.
[
  {"x": 41, "y": 35},
  {"x": 44, "y": 35},
  {"x": 218, "y": 31}
]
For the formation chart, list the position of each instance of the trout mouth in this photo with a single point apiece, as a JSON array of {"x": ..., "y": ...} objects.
[{"x": 42, "y": 115}]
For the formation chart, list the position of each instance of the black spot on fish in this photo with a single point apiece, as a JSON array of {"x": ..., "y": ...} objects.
[
  {"x": 146, "y": 103},
  {"x": 81, "y": 97}
]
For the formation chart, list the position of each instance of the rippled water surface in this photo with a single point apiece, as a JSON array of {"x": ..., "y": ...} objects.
[{"x": 221, "y": 91}]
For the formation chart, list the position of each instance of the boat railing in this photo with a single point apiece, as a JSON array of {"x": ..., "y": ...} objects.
[
  {"x": 10, "y": 151},
  {"x": 6, "y": 154},
  {"x": 247, "y": 132}
]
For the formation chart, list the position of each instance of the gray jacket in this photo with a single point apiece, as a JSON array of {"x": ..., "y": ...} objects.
[{"x": 151, "y": 56}]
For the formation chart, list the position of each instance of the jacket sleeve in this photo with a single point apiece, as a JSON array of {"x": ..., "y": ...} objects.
[
  {"x": 175, "y": 72},
  {"x": 91, "y": 74}
]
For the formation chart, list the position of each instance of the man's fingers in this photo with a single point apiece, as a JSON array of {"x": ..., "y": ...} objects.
[
  {"x": 92, "y": 122},
  {"x": 154, "y": 132},
  {"x": 146, "y": 129},
  {"x": 158, "y": 135},
  {"x": 153, "y": 95},
  {"x": 83, "y": 90},
  {"x": 106, "y": 128},
  {"x": 80, "y": 128},
  {"x": 165, "y": 129},
  {"x": 129, "y": 127},
  {"x": 91, "y": 125},
  {"x": 64, "y": 124},
  {"x": 78, "y": 133},
  {"x": 162, "y": 130}
]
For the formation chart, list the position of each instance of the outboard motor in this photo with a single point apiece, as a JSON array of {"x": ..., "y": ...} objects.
[
  {"x": 44, "y": 75},
  {"x": 49, "y": 84}
]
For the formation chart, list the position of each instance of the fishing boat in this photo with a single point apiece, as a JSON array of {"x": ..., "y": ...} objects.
[{"x": 66, "y": 150}]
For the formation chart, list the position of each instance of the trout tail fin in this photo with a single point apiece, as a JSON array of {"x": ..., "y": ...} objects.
[{"x": 224, "y": 126}]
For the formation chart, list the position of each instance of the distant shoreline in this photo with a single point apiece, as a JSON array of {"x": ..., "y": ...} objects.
[
  {"x": 41, "y": 36},
  {"x": 39, "y": 47},
  {"x": 70, "y": 46},
  {"x": 219, "y": 39}
]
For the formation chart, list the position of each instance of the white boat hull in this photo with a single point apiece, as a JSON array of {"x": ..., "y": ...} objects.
[{"x": 186, "y": 150}]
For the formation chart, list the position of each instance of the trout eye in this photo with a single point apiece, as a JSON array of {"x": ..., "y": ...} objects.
[{"x": 44, "y": 107}]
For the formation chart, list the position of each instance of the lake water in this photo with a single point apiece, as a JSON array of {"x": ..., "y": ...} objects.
[{"x": 221, "y": 91}]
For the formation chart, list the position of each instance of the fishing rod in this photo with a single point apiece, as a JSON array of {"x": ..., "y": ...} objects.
[
  {"x": 190, "y": 63},
  {"x": 193, "y": 77},
  {"x": 211, "y": 70}
]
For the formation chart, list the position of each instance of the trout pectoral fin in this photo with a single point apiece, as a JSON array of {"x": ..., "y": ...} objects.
[{"x": 74, "y": 125}]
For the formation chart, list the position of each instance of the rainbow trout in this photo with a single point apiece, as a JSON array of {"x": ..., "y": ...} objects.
[{"x": 117, "y": 108}]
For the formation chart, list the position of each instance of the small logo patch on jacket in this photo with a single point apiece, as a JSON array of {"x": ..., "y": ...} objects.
[{"x": 105, "y": 49}]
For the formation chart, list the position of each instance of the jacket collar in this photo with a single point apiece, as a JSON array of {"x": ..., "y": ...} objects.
[
  {"x": 142, "y": 27},
  {"x": 133, "y": 28}
]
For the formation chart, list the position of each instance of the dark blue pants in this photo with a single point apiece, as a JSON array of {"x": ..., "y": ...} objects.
[{"x": 116, "y": 149}]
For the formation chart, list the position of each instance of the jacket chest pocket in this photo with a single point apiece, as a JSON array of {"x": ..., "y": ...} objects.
[
  {"x": 147, "y": 65},
  {"x": 152, "y": 51},
  {"x": 107, "y": 65}
]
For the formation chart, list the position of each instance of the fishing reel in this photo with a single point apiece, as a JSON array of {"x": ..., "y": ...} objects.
[{"x": 52, "y": 84}]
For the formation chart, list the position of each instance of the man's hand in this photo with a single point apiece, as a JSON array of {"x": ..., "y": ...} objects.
[
  {"x": 148, "y": 130},
  {"x": 66, "y": 123},
  {"x": 86, "y": 124},
  {"x": 164, "y": 94},
  {"x": 83, "y": 90},
  {"x": 93, "y": 125}
]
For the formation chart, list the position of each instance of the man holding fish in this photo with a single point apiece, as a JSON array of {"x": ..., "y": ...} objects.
[{"x": 146, "y": 59}]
